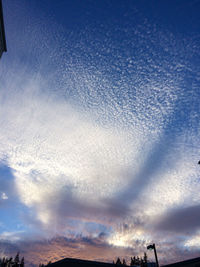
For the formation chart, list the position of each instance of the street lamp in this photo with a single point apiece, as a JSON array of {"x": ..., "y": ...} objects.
[{"x": 154, "y": 248}]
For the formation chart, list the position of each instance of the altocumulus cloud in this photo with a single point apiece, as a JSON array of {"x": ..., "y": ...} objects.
[
  {"x": 59, "y": 155},
  {"x": 98, "y": 152}
]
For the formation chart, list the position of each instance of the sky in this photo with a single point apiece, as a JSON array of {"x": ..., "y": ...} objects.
[{"x": 99, "y": 129}]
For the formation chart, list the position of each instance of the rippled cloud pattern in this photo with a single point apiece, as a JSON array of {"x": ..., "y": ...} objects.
[{"x": 99, "y": 139}]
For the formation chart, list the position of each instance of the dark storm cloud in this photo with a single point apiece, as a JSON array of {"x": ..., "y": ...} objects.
[{"x": 181, "y": 220}]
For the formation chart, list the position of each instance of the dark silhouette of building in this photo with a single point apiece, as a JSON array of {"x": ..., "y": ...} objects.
[
  {"x": 69, "y": 262},
  {"x": 2, "y": 32},
  {"x": 188, "y": 263}
]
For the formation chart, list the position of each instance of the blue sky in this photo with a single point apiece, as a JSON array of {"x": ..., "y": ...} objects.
[{"x": 100, "y": 124}]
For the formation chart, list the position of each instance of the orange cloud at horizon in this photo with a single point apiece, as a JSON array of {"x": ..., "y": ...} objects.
[{"x": 36, "y": 252}]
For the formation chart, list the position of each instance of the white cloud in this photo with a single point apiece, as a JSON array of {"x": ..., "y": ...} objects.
[
  {"x": 4, "y": 196},
  {"x": 78, "y": 136},
  {"x": 65, "y": 157},
  {"x": 193, "y": 241},
  {"x": 51, "y": 145},
  {"x": 11, "y": 236}
]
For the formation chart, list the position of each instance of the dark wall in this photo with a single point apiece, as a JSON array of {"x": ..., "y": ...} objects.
[{"x": 2, "y": 32}]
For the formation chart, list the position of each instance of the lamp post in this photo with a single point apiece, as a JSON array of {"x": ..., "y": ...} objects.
[{"x": 154, "y": 248}]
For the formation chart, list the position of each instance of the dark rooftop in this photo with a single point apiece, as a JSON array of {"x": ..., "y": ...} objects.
[
  {"x": 192, "y": 262},
  {"x": 79, "y": 263}
]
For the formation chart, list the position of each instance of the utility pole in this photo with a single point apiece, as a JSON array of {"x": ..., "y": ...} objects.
[{"x": 155, "y": 253}]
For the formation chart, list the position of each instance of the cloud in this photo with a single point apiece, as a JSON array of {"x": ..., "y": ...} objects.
[
  {"x": 91, "y": 248},
  {"x": 97, "y": 136},
  {"x": 193, "y": 241},
  {"x": 11, "y": 236},
  {"x": 36, "y": 252},
  {"x": 60, "y": 155},
  {"x": 181, "y": 220}
]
